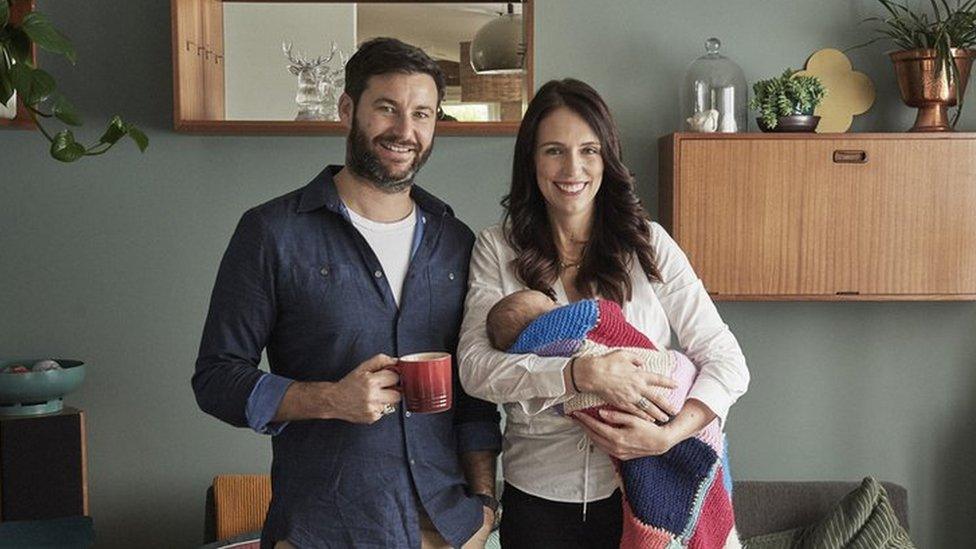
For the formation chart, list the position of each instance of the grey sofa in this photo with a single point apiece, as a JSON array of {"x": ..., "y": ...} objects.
[
  {"x": 761, "y": 507},
  {"x": 764, "y": 507}
]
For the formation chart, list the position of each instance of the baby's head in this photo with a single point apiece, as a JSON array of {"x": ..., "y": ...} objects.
[{"x": 513, "y": 313}]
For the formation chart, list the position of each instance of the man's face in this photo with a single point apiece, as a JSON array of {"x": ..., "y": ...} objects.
[{"x": 391, "y": 129}]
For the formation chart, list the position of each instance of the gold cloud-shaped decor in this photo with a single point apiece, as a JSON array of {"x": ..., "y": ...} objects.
[{"x": 849, "y": 92}]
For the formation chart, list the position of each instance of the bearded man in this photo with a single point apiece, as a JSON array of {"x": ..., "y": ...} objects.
[{"x": 334, "y": 279}]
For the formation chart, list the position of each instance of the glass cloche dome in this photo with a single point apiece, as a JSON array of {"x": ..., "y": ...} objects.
[{"x": 713, "y": 94}]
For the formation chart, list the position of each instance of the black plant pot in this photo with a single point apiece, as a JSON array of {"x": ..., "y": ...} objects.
[{"x": 793, "y": 123}]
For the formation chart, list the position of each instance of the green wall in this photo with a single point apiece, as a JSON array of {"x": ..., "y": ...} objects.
[{"x": 112, "y": 260}]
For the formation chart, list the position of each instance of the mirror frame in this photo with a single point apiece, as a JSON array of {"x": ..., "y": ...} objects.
[{"x": 208, "y": 13}]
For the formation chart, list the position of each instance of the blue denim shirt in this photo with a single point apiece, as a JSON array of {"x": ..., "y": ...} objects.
[{"x": 299, "y": 280}]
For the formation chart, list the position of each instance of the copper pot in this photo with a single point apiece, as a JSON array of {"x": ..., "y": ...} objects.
[{"x": 924, "y": 87}]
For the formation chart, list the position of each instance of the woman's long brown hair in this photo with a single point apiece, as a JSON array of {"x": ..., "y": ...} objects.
[{"x": 620, "y": 231}]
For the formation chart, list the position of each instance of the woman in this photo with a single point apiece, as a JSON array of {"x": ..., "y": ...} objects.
[{"x": 574, "y": 228}]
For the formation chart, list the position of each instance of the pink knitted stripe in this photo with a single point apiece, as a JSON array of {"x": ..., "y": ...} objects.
[
  {"x": 613, "y": 330},
  {"x": 684, "y": 373},
  {"x": 717, "y": 518},
  {"x": 637, "y": 535},
  {"x": 712, "y": 436}
]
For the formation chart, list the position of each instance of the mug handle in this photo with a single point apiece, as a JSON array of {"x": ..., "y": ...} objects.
[{"x": 398, "y": 370}]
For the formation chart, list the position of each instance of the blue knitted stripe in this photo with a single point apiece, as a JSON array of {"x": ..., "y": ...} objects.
[
  {"x": 703, "y": 490},
  {"x": 571, "y": 322},
  {"x": 563, "y": 347},
  {"x": 727, "y": 478},
  {"x": 663, "y": 489}
]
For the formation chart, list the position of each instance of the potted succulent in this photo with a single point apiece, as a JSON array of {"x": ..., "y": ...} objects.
[
  {"x": 35, "y": 89},
  {"x": 934, "y": 57},
  {"x": 786, "y": 103}
]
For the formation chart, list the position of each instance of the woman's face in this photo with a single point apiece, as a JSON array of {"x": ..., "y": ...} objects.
[{"x": 568, "y": 163}]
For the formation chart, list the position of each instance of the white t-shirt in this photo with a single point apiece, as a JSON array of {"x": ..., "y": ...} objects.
[
  {"x": 392, "y": 244},
  {"x": 542, "y": 453}
]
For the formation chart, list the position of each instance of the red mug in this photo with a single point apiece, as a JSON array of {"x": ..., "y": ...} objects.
[{"x": 425, "y": 379}]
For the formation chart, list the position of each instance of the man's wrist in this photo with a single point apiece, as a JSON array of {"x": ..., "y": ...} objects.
[
  {"x": 306, "y": 400},
  {"x": 489, "y": 502}
]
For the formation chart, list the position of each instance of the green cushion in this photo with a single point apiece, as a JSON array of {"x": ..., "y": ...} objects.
[{"x": 863, "y": 519}]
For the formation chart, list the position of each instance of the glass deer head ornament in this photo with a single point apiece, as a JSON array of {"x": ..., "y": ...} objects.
[{"x": 319, "y": 84}]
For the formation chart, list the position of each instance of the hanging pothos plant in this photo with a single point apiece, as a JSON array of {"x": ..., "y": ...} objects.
[{"x": 36, "y": 89}]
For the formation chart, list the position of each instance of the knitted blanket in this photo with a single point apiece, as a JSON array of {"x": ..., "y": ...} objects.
[{"x": 679, "y": 499}]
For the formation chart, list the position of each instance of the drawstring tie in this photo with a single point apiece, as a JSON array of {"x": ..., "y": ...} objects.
[{"x": 584, "y": 446}]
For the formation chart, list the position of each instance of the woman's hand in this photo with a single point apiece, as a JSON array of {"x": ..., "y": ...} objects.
[
  {"x": 629, "y": 436},
  {"x": 618, "y": 379}
]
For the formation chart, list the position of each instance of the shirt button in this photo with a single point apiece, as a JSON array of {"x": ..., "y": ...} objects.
[
  {"x": 324, "y": 271},
  {"x": 378, "y": 274},
  {"x": 451, "y": 276},
  {"x": 406, "y": 414},
  {"x": 412, "y": 462}
]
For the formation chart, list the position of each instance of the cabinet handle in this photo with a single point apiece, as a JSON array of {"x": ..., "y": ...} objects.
[{"x": 850, "y": 157}]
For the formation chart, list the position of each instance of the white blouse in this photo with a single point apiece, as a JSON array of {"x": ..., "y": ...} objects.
[{"x": 542, "y": 453}]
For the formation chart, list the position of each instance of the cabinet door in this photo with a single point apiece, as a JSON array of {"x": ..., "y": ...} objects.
[
  {"x": 766, "y": 218},
  {"x": 916, "y": 209}
]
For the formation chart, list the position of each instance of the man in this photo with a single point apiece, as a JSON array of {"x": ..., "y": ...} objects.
[{"x": 334, "y": 279}]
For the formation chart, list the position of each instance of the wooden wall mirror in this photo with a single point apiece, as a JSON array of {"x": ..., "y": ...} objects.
[{"x": 231, "y": 73}]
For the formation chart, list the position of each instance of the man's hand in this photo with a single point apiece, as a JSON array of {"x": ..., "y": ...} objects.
[
  {"x": 360, "y": 397},
  {"x": 480, "y": 538}
]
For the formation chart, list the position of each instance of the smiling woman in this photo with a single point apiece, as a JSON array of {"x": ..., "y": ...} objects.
[
  {"x": 231, "y": 75},
  {"x": 575, "y": 230}
]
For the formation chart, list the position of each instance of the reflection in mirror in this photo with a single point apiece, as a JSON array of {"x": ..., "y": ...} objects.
[{"x": 283, "y": 61}]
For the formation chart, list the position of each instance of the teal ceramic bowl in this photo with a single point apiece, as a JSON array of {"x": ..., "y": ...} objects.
[{"x": 34, "y": 393}]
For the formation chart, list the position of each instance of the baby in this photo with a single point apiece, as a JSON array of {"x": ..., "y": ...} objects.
[{"x": 682, "y": 496}]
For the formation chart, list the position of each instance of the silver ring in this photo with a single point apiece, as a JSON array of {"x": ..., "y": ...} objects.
[
  {"x": 643, "y": 403},
  {"x": 388, "y": 409}
]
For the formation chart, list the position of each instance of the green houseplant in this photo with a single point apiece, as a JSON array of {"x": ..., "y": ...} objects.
[
  {"x": 934, "y": 57},
  {"x": 36, "y": 89},
  {"x": 787, "y": 96}
]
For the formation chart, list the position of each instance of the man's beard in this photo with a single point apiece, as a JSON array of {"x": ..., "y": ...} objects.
[{"x": 361, "y": 160}]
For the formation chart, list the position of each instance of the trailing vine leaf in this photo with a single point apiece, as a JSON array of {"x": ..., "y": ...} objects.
[
  {"x": 140, "y": 138},
  {"x": 33, "y": 85},
  {"x": 65, "y": 111},
  {"x": 65, "y": 148},
  {"x": 42, "y": 33}
]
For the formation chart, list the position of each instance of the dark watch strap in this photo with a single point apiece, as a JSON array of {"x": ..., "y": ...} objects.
[{"x": 489, "y": 502}]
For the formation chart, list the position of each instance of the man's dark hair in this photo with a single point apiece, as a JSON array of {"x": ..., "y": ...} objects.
[{"x": 386, "y": 55}]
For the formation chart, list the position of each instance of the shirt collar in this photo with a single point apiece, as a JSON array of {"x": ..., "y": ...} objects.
[{"x": 321, "y": 192}]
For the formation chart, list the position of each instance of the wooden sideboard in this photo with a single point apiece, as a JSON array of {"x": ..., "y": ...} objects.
[{"x": 832, "y": 217}]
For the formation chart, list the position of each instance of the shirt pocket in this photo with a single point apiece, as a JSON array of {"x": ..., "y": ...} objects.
[
  {"x": 324, "y": 297},
  {"x": 447, "y": 289}
]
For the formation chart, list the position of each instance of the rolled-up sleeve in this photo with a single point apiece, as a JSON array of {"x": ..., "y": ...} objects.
[
  {"x": 239, "y": 323},
  {"x": 723, "y": 376},
  {"x": 535, "y": 382},
  {"x": 263, "y": 404}
]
